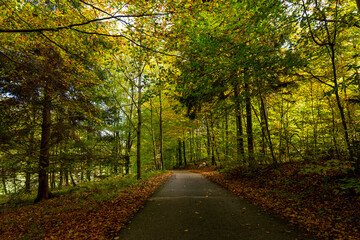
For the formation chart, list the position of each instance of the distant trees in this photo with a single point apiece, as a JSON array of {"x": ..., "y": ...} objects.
[{"x": 259, "y": 65}]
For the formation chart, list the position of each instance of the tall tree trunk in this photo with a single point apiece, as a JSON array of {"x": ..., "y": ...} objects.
[
  {"x": 249, "y": 130},
  {"x": 3, "y": 180},
  {"x": 61, "y": 175},
  {"x": 157, "y": 167},
  {"x": 208, "y": 139},
  {"x": 213, "y": 162},
  {"x": 138, "y": 130},
  {"x": 161, "y": 134},
  {"x": 198, "y": 147},
  {"x": 265, "y": 116},
  {"x": 239, "y": 126},
  {"x": 263, "y": 132},
  {"x": 314, "y": 120},
  {"x": 116, "y": 151},
  {"x": 66, "y": 175},
  {"x": 28, "y": 164},
  {"x": 52, "y": 180},
  {"x": 192, "y": 158},
  {"x": 355, "y": 163},
  {"x": 129, "y": 141},
  {"x": 227, "y": 135},
  {"x": 184, "y": 153},
  {"x": 43, "y": 188},
  {"x": 27, "y": 180},
  {"x": 179, "y": 153},
  {"x": 127, "y": 153},
  {"x": 72, "y": 179}
]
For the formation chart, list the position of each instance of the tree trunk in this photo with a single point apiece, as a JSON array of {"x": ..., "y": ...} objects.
[
  {"x": 157, "y": 167},
  {"x": 61, "y": 176},
  {"x": 179, "y": 153},
  {"x": 198, "y": 146},
  {"x": 213, "y": 162},
  {"x": 227, "y": 135},
  {"x": 127, "y": 153},
  {"x": 265, "y": 116},
  {"x": 184, "y": 153},
  {"x": 116, "y": 151},
  {"x": 161, "y": 135},
  {"x": 27, "y": 182},
  {"x": 72, "y": 179},
  {"x": 192, "y": 158},
  {"x": 249, "y": 130},
  {"x": 30, "y": 153},
  {"x": 3, "y": 180},
  {"x": 52, "y": 180},
  {"x": 66, "y": 174},
  {"x": 208, "y": 140},
  {"x": 43, "y": 188},
  {"x": 263, "y": 133},
  {"x": 239, "y": 126},
  {"x": 138, "y": 131},
  {"x": 355, "y": 163}
]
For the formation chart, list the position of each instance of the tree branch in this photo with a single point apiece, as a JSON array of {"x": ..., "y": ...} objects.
[
  {"x": 79, "y": 24},
  {"x": 129, "y": 39}
]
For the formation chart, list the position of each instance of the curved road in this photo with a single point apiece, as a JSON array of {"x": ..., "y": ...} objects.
[{"x": 190, "y": 207}]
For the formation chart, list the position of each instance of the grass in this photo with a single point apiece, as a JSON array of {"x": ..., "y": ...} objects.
[
  {"x": 95, "y": 210},
  {"x": 96, "y": 190}
]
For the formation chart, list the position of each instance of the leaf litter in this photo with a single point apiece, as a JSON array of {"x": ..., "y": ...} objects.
[{"x": 78, "y": 217}]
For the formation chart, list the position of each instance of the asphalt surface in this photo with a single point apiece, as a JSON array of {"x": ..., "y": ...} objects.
[{"x": 190, "y": 207}]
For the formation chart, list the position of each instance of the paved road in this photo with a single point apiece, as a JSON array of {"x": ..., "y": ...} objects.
[{"x": 190, "y": 207}]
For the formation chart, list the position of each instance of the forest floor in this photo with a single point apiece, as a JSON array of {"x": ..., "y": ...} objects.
[
  {"x": 91, "y": 211},
  {"x": 312, "y": 197}
]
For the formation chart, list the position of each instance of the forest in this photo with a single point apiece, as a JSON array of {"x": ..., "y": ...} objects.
[{"x": 91, "y": 89}]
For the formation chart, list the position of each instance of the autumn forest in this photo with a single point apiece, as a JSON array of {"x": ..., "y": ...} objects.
[{"x": 258, "y": 91}]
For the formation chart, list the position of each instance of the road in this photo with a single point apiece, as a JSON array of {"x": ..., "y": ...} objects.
[{"x": 189, "y": 206}]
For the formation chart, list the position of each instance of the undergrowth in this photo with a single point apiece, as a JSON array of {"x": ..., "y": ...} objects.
[
  {"x": 323, "y": 198},
  {"x": 88, "y": 211}
]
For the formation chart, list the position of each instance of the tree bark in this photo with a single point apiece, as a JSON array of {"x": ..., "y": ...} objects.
[
  {"x": 157, "y": 167},
  {"x": 30, "y": 153},
  {"x": 239, "y": 126},
  {"x": 213, "y": 162},
  {"x": 3, "y": 180},
  {"x": 61, "y": 173},
  {"x": 265, "y": 116},
  {"x": 43, "y": 188},
  {"x": 179, "y": 153},
  {"x": 208, "y": 140},
  {"x": 72, "y": 179},
  {"x": 249, "y": 130},
  {"x": 138, "y": 130},
  {"x": 129, "y": 141},
  {"x": 355, "y": 163},
  {"x": 161, "y": 134},
  {"x": 184, "y": 153},
  {"x": 227, "y": 136}
]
